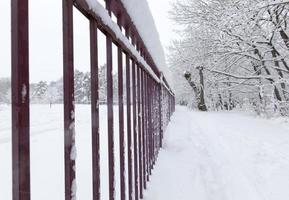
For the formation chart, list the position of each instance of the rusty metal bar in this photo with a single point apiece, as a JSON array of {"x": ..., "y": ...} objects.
[
  {"x": 150, "y": 125},
  {"x": 147, "y": 126},
  {"x": 143, "y": 129},
  {"x": 121, "y": 125},
  {"x": 161, "y": 115},
  {"x": 94, "y": 109},
  {"x": 20, "y": 100},
  {"x": 155, "y": 120},
  {"x": 135, "y": 130},
  {"x": 157, "y": 128},
  {"x": 129, "y": 131},
  {"x": 158, "y": 121},
  {"x": 68, "y": 91},
  {"x": 153, "y": 123},
  {"x": 139, "y": 131},
  {"x": 110, "y": 126}
]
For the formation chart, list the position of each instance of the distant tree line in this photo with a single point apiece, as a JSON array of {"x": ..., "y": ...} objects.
[{"x": 51, "y": 92}]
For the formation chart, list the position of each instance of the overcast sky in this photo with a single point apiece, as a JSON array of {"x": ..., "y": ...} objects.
[
  {"x": 46, "y": 37},
  {"x": 159, "y": 9}
]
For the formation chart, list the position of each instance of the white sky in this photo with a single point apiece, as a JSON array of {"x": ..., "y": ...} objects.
[
  {"x": 159, "y": 9},
  {"x": 46, "y": 37}
]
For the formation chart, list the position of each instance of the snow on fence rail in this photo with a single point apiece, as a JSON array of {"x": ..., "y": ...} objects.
[{"x": 149, "y": 102}]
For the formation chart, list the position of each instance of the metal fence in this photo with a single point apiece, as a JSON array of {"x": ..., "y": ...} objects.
[{"x": 149, "y": 103}]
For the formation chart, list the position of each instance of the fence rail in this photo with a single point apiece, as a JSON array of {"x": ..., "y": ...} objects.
[{"x": 149, "y": 103}]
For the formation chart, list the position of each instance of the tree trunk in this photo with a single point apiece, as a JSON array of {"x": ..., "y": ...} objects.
[
  {"x": 202, "y": 105},
  {"x": 199, "y": 92},
  {"x": 276, "y": 63},
  {"x": 276, "y": 91}
]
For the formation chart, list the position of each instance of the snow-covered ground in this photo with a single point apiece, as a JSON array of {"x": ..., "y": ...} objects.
[
  {"x": 222, "y": 156},
  {"x": 218, "y": 156},
  {"x": 47, "y": 163}
]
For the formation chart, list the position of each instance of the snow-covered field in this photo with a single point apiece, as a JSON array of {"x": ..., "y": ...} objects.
[
  {"x": 222, "y": 156},
  {"x": 47, "y": 163},
  {"x": 206, "y": 156}
]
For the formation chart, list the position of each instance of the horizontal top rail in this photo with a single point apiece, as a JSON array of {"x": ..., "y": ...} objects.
[
  {"x": 155, "y": 52},
  {"x": 117, "y": 7},
  {"x": 134, "y": 18},
  {"x": 140, "y": 52},
  {"x": 107, "y": 26},
  {"x": 165, "y": 84}
]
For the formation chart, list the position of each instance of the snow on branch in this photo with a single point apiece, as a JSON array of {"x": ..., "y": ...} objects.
[
  {"x": 276, "y": 3},
  {"x": 240, "y": 77}
]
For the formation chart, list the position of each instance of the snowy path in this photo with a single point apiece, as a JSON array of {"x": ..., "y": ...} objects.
[{"x": 222, "y": 156}]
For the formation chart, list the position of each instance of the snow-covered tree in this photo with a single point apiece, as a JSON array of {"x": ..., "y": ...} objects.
[
  {"x": 38, "y": 92},
  {"x": 5, "y": 90},
  {"x": 243, "y": 46}
]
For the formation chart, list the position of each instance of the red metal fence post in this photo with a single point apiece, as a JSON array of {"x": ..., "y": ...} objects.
[
  {"x": 121, "y": 124},
  {"x": 143, "y": 128},
  {"x": 139, "y": 117},
  {"x": 157, "y": 127},
  {"x": 160, "y": 117},
  {"x": 110, "y": 125},
  {"x": 153, "y": 122},
  {"x": 129, "y": 144},
  {"x": 94, "y": 109},
  {"x": 147, "y": 126},
  {"x": 20, "y": 100},
  {"x": 129, "y": 117},
  {"x": 150, "y": 124},
  {"x": 68, "y": 88},
  {"x": 135, "y": 130},
  {"x": 156, "y": 121}
]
